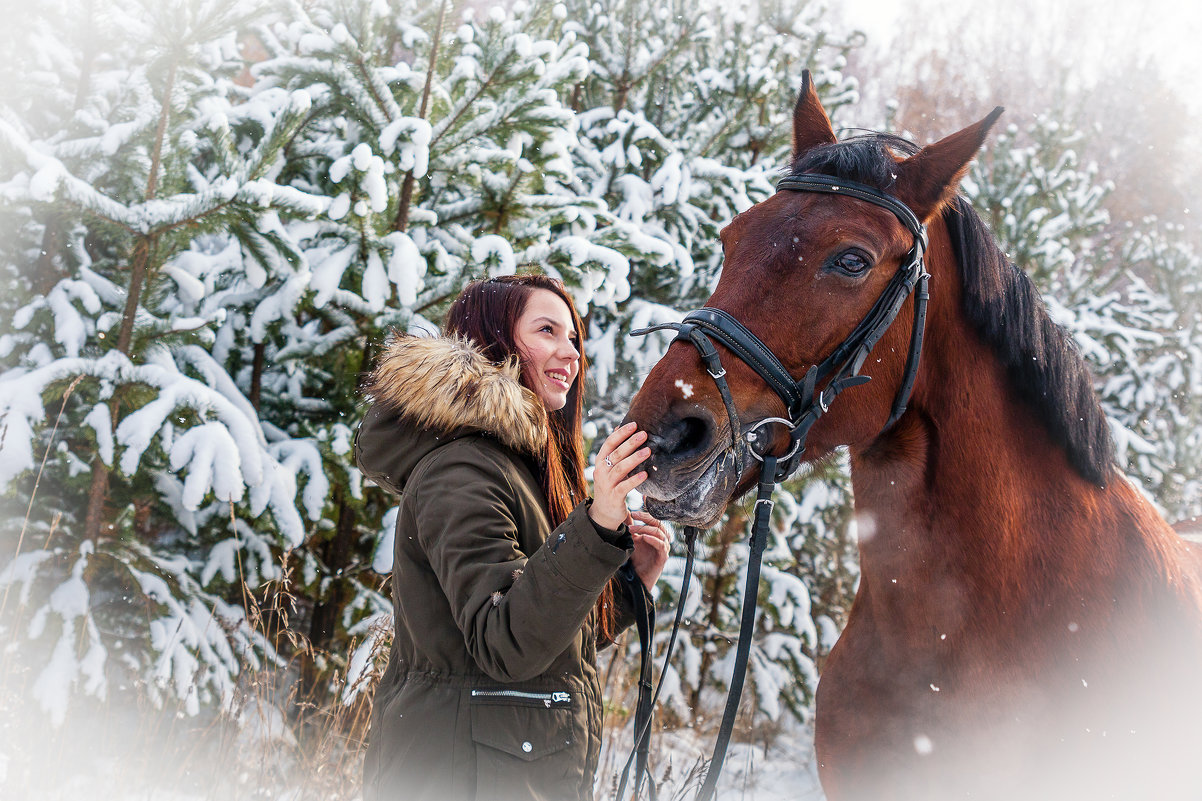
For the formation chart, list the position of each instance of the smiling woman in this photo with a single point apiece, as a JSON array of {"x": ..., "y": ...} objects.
[{"x": 504, "y": 570}]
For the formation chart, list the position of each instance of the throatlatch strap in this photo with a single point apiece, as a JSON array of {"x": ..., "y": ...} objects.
[
  {"x": 759, "y": 539},
  {"x": 915, "y": 355}
]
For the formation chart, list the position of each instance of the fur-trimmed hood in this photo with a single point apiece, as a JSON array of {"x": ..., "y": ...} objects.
[{"x": 426, "y": 391}]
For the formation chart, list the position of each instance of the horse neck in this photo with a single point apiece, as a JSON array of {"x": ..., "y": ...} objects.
[{"x": 970, "y": 502}]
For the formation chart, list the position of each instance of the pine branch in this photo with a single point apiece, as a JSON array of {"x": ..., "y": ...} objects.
[{"x": 383, "y": 98}]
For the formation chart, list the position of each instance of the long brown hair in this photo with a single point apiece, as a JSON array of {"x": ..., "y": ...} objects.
[{"x": 487, "y": 313}]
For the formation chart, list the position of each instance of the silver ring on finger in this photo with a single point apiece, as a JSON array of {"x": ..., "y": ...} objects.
[{"x": 608, "y": 463}]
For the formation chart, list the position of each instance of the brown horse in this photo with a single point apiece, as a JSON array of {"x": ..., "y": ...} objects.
[{"x": 1026, "y": 625}]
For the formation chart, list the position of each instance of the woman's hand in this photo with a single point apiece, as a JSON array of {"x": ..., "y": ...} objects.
[
  {"x": 651, "y": 544},
  {"x": 620, "y": 453}
]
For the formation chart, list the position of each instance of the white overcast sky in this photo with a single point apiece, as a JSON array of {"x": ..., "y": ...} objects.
[{"x": 1166, "y": 31}]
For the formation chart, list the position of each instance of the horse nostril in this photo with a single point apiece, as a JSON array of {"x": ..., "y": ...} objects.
[{"x": 686, "y": 437}]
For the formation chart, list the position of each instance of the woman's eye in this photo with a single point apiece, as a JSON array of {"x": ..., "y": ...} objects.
[{"x": 851, "y": 262}]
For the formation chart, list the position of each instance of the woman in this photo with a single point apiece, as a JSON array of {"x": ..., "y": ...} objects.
[{"x": 503, "y": 579}]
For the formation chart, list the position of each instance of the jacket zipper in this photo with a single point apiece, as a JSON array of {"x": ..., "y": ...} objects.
[{"x": 547, "y": 699}]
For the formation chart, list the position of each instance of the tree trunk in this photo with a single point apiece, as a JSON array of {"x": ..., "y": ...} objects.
[
  {"x": 256, "y": 375},
  {"x": 98, "y": 491},
  {"x": 336, "y": 554},
  {"x": 97, "y": 495}
]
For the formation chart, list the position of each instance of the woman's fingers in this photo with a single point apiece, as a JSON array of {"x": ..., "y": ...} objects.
[
  {"x": 616, "y": 438},
  {"x": 621, "y": 453},
  {"x": 626, "y": 485},
  {"x": 651, "y": 551},
  {"x": 618, "y": 456},
  {"x": 652, "y": 532},
  {"x": 650, "y": 524},
  {"x": 628, "y": 446},
  {"x": 654, "y": 538},
  {"x": 624, "y": 464}
]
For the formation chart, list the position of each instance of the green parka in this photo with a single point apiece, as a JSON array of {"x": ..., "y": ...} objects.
[{"x": 491, "y": 690}]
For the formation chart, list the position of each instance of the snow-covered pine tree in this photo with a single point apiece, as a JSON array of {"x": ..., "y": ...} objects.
[
  {"x": 134, "y": 465},
  {"x": 1044, "y": 206},
  {"x": 272, "y": 225},
  {"x": 1150, "y": 376}
]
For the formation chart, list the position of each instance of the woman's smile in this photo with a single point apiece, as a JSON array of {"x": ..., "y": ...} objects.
[{"x": 561, "y": 378}]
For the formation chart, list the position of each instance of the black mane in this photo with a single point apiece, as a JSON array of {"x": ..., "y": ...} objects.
[{"x": 1002, "y": 305}]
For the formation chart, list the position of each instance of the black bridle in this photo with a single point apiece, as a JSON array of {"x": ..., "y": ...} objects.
[
  {"x": 804, "y": 406},
  {"x": 842, "y": 366}
]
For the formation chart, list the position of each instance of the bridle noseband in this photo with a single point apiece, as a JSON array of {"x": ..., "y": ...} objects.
[{"x": 840, "y": 370}]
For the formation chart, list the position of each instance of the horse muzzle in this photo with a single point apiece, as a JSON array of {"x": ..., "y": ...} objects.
[{"x": 690, "y": 476}]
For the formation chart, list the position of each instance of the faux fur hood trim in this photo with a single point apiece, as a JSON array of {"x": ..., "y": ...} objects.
[{"x": 443, "y": 384}]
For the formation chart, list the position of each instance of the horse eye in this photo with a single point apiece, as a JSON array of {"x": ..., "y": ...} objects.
[{"x": 851, "y": 262}]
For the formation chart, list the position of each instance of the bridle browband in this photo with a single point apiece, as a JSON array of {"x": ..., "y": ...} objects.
[{"x": 840, "y": 370}]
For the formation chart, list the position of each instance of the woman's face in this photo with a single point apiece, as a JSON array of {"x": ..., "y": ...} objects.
[{"x": 549, "y": 346}]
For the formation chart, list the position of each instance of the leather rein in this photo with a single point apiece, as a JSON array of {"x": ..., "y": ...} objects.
[{"x": 840, "y": 370}]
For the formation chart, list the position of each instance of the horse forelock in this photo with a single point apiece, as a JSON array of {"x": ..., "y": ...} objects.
[
  {"x": 868, "y": 158},
  {"x": 1001, "y": 304}
]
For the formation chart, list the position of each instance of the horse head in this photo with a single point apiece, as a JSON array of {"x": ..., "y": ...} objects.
[{"x": 801, "y": 271}]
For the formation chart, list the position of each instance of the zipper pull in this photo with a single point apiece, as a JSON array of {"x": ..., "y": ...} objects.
[{"x": 561, "y": 698}]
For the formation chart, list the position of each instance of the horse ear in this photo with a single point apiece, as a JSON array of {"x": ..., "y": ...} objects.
[
  {"x": 929, "y": 178},
  {"x": 811, "y": 126}
]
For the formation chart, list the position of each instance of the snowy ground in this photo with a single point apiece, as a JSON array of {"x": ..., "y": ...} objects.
[
  {"x": 130, "y": 754},
  {"x": 785, "y": 769}
]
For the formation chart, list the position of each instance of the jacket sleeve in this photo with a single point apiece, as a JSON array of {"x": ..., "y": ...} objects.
[{"x": 517, "y": 611}]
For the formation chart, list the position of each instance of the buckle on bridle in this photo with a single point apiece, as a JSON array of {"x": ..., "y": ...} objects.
[{"x": 823, "y": 403}]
